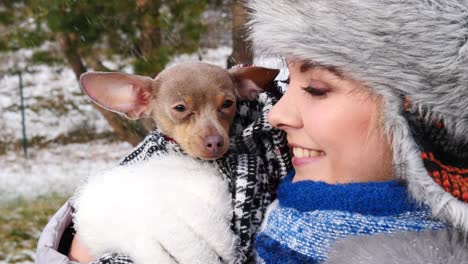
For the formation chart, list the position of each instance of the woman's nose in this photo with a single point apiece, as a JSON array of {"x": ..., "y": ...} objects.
[{"x": 284, "y": 113}]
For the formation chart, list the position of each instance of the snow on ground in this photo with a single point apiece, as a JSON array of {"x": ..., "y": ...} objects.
[
  {"x": 58, "y": 168},
  {"x": 54, "y": 105}
]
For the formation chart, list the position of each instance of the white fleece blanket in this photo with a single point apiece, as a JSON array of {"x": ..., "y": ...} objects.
[{"x": 166, "y": 209}]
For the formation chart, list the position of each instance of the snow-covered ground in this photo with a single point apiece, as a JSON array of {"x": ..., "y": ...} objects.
[
  {"x": 54, "y": 106},
  {"x": 56, "y": 169}
]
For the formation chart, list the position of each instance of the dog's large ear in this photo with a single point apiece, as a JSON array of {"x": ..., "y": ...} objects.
[
  {"x": 123, "y": 93},
  {"x": 250, "y": 81}
]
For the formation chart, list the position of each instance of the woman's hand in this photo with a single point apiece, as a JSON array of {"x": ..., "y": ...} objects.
[{"x": 78, "y": 252}]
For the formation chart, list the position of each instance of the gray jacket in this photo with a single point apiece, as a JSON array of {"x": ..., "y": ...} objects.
[{"x": 51, "y": 238}]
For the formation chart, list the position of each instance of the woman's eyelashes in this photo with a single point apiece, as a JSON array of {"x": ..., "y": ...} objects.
[{"x": 319, "y": 92}]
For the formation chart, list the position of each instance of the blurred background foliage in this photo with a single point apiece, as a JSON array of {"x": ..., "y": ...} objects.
[{"x": 149, "y": 32}]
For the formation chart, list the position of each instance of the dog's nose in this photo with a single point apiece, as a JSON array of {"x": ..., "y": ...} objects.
[{"x": 214, "y": 144}]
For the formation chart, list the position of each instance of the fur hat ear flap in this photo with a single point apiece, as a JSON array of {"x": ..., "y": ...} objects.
[{"x": 445, "y": 159}]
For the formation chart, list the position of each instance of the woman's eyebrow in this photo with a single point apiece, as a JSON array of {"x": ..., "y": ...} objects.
[{"x": 305, "y": 66}]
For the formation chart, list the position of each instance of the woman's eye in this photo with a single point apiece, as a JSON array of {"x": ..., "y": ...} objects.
[
  {"x": 227, "y": 104},
  {"x": 180, "y": 108},
  {"x": 315, "y": 91}
]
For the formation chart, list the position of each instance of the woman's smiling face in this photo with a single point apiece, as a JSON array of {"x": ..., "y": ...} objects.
[{"x": 332, "y": 125}]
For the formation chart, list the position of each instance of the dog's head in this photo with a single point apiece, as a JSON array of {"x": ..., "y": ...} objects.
[{"x": 193, "y": 103}]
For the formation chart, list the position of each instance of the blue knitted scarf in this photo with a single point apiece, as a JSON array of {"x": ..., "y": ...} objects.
[{"x": 308, "y": 217}]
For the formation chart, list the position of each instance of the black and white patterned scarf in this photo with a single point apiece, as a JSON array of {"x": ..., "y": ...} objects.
[{"x": 257, "y": 159}]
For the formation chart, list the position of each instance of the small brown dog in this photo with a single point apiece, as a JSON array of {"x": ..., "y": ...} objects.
[{"x": 192, "y": 103}]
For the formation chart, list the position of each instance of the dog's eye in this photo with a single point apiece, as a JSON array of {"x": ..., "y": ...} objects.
[
  {"x": 180, "y": 108},
  {"x": 227, "y": 103}
]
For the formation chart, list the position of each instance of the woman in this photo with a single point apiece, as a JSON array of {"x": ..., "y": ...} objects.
[{"x": 377, "y": 116}]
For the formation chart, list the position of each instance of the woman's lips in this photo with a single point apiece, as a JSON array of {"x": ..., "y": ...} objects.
[{"x": 304, "y": 156}]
